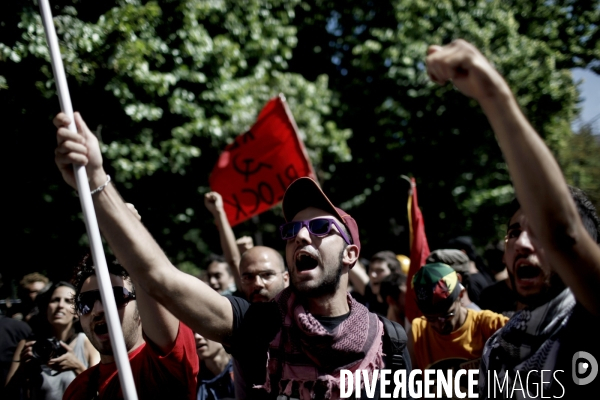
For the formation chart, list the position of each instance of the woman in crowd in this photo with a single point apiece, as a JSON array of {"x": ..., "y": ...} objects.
[{"x": 45, "y": 365}]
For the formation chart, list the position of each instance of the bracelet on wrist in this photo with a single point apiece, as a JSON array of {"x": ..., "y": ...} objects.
[{"x": 101, "y": 187}]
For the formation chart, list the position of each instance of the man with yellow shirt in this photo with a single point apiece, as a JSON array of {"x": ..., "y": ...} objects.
[{"x": 449, "y": 335}]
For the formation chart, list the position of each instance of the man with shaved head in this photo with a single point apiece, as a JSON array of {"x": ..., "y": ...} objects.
[
  {"x": 260, "y": 272},
  {"x": 263, "y": 274}
]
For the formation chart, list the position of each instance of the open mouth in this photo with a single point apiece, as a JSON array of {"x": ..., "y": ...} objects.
[
  {"x": 101, "y": 328},
  {"x": 305, "y": 262},
  {"x": 528, "y": 272}
]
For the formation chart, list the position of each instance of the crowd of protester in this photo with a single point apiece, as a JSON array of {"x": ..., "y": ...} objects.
[{"x": 260, "y": 325}]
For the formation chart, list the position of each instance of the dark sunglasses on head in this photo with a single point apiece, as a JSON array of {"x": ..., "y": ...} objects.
[
  {"x": 86, "y": 300},
  {"x": 317, "y": 226}
]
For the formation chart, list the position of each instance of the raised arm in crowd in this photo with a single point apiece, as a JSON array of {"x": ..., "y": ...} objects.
[
  {"x": 315, "y": 317},
  {"x": 190, "y": 300},
  {"x": 551, "y": 249},
  {"x": 552, "y": 219},
  {"x": 214, "y": 203}
]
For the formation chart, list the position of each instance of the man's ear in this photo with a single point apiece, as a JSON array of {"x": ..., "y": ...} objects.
[
  {"x": 459, "y": 276},
  {"x": 351, "y": 253},
  {"x": 286, "y": 277}
]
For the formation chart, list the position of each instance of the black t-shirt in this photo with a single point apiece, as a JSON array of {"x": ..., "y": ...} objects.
[
  {"x": 254, "y": 327},
  {"x": 330, "y": 323},
  {"x": 239, "y": 293},
  {"x": 12, "y": 332},
  {"x": 580, "y": 335},
  {"x": 498, "y": 298}
]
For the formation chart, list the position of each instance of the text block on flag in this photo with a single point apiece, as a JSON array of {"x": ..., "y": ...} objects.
[{"x": 253, "y": 172}]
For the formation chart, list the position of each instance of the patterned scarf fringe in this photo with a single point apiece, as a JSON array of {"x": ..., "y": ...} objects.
[
  {"x": 330, "y": 384},
  {"x": 306, "y": 387}
]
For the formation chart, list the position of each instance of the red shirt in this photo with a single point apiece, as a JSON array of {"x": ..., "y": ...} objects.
[{"x": 156, "y": 376}]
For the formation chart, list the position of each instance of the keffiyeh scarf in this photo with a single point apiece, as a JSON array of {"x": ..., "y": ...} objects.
[
  {"x": 307, "y": 358},
  {"x": 529, "y": 341}
]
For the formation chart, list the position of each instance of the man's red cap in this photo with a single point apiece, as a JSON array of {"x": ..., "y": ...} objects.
[{"x": 305, "y": 192}]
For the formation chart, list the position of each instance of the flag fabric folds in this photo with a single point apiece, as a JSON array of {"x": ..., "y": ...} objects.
[
  {"x": 254, "y": 171},
  {"x": 419, "y": 249}
]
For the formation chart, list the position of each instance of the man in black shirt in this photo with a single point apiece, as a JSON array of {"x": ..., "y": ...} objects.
[
  {"x": 311, "y": 331},
  {"x": 307, "y": 328}
]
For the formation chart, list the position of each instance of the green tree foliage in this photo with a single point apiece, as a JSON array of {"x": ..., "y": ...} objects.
[
  {"x": 165, "y": 85},
  {"x": 402, "y": 123},
  {"x": 581, "y": 163},
  {"x": 569, "y": 27}
]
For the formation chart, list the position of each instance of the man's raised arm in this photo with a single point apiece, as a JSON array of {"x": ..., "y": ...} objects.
[
  {"x": 189, "y": 300},
  {"x": 540, "y": 186},
  {"x": 214, "y": 203}
]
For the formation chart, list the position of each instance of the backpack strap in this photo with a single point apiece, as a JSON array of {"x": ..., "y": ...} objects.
[{"x": 394, "y": 343}]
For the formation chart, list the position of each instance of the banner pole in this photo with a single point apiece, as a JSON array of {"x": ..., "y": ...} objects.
[
  {"x": 290, "y": 116},
  {"x": 89, "y": 216}
]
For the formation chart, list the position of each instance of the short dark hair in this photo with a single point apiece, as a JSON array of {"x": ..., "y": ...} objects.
[
  {"x": 212, "y": 257},
  {"x": 390, "y": 285},
  {"x": 390, "y": 258},
  {"x": 86, "y": 268},
  {"x": 585, "y": 208}
]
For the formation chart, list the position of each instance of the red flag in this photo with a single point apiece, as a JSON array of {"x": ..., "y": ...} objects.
[
  {"x": 253, "y": 172},
  {"x": 419, "y": 249}
]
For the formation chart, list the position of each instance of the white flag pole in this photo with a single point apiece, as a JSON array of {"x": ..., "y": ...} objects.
[{"x": 108, "y": 300}]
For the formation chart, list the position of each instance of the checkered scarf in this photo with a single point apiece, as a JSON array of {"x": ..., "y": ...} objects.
[
  {"x": 306, "y": 357},
  {"x": 529, "y": 341}
]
